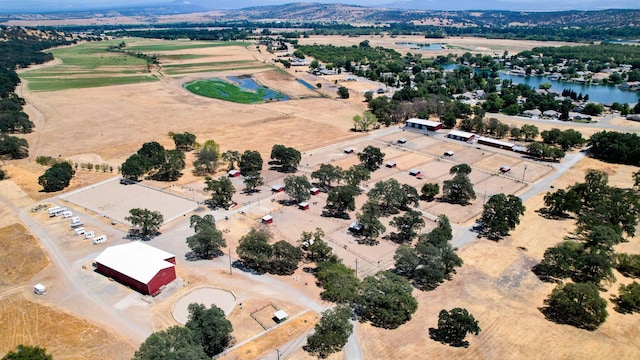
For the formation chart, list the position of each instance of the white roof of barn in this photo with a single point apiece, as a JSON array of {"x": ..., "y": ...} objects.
[
  {"x": 497, "y": 142},
  {"x": 423, "y": 122},
  {"x": 136, "y": 260},
  {"x": 463, "y": 134}
]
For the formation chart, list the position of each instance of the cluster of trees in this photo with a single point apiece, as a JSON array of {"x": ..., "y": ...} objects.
[
  {"x": 153, "y": 159},
  {"x": 257, "y": 254},
  {"x": 588, "y": 258},
  {"x": 349, "y": 56},
  {"x": 19, "y": 48},
  {"x": 616, "y": 147},
  {"x": 145, "y": 222},
  {"x": 26, "y": 352},
  {"x": 207, "y": 240},
  {"x": 555, "y": 143},
  {"x": 56, "y": 177},
  {"x": 384, "y": 298},
  {"x": 432, "y": 260},
  {"x": 286, "y": 158},
  {"x": 206, "y": 333}
]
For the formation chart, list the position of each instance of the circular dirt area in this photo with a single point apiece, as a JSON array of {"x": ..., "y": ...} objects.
[{"x": 223, "y": 299}]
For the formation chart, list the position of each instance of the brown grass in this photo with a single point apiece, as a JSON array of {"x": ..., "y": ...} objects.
[
  {"x": 275, "y": 338},
  {"x": 20, "y": 256},
  {"x": 63, "y": 335},
  {"x": 497, "y": 286}
]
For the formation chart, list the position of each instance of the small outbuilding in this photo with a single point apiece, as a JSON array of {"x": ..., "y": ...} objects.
[
  {"x": 356, "y": 227},
  {"x": 267, "y": 219},
  {"x": 39, "y": 289},
  {"x": 461, "y": 135},
  {"x": 303, "y": 205},
  {"x": 423, "y": 124},
  {"x": 138, "y": 265},
  {"x": 349, "y": 150},
  {"x": 415, "y": 172},
  {"x": 314, "y": 191},
  {"x": 402, "y": 141},
  {"x": 277, "y": 188},
  {"x": 448, "y": 153},
  {"x": 233, "y": 173},
  {"x": 505, "y": 168},
  {"x": 280, "y": 316},
  {"x": 390, "y": 164}
]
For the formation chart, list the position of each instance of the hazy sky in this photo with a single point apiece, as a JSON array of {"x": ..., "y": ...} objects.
[{"x": 48, "y": 5}]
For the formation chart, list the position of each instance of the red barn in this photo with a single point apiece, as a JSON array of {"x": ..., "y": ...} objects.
[
  {"x": 233, "y": 173},
  {"x": 277, "y": 188},
  {"x": 138, "y": 265},
  {"x": 314, "y": 191},
  {"x": 267, "y": 219},
  {"x": 303, "y": 205}
]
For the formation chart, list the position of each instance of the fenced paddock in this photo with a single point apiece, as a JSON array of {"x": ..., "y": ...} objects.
[{"x": 114, "y": 200}]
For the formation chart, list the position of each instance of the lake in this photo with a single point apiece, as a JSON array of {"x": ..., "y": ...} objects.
[
  {"x": 247, "y": 83},
  {"x": 604, "y": 94},
  {"x": 416, "y": 46}
]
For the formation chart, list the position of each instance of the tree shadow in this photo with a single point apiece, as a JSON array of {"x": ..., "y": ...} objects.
[
  {"x": 559, "y": 318},
  {"x": 193, "y": 256},
  {"x": 444, "y": 338}
]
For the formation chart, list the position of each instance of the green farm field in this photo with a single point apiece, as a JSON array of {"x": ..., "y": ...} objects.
[{"x": 90, "y": 65}]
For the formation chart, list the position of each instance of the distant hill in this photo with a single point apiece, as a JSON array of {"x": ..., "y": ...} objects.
[{"x": 316, "y": 12}]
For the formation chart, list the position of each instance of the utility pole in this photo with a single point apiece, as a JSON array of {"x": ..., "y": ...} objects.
[
  {"x": 524, "y": 172},
  {"x": 278, "y": 352},
  {"x": 230, "y": 267},
  {"x": 356, "y": 268}
]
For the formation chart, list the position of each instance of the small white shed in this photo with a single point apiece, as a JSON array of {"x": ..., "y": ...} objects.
[
  {"x": 280, "y": 315},
  {"x": 39, "y": 289}
]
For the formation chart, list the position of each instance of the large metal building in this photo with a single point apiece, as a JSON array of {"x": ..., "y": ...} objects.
[
  {"x": 138, "y": 265},
  {"x": 423, "y": 124}
]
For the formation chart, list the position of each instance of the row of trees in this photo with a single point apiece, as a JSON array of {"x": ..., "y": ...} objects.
[{"x": 153, "y": 159}]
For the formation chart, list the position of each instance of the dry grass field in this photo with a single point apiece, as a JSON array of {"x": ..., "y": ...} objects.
[
  {"x": 20, "y": 256},
  {"x": 497, "y": 286},
  {"x": 106, "y": 124},
  {"x": 27, "y": 321}
]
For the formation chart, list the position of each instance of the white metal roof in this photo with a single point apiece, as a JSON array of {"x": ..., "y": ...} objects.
[
  {"x": 267, "y": 217},
  {"x": 280, "y": 315},
  {"x": 496, "y": 141},
  {"x": 463, "y": 134},
  {"x": 136, "y": 260},
  {"x": 423, "y": 122}
]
